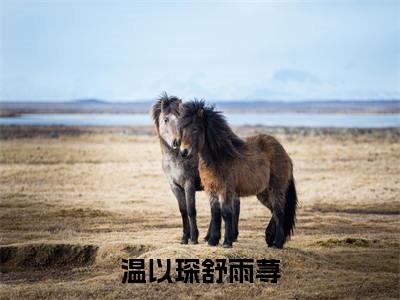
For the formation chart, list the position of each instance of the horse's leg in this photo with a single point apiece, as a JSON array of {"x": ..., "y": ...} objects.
[
  {"x": 278, "y": 216},
  {"x": 236, "y": 213},
  {"x": 207, "y": 237},
  {"x": 214, "y": 230},
  {"x": 180, "y": 196},
  {"x": 270, "y": 232},
  {"x": 215, "y": 219},
  {"x": 265, "y": 198},
  {"x": 227, "y": 215},
  {"x": 190, "y": 194}
]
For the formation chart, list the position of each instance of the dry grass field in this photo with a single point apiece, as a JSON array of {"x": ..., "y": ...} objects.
[{"x": 73, "y": 202}]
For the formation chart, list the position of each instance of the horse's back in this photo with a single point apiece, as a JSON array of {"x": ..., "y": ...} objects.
[{"x": 272, "y": 149}]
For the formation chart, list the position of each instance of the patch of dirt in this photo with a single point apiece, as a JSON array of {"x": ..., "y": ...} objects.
[
  {"x": 382, "y": 209},
  {"x": 347, "y": 242},
  {"x": 45, "y": 256},
  {"x": 136, "y": 250},
  {"x": 82, "y": 213}
]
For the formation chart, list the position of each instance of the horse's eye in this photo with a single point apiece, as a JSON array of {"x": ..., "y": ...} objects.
[
  {"x": 195, "y": 130},
  {"x": 165, "y": 120}
]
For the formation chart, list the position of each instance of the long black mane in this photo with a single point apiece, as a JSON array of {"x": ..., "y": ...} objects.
[
  {"x": 168, "y": 104},
  {"x": 221, "y": 142}
]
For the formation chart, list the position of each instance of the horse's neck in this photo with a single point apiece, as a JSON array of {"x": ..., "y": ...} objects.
[{"x": 206, "y": 161}]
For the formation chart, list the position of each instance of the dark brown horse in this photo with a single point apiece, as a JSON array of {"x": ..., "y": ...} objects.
[
  {"x": 183, "y": 173},
  {"x": 230, "y": 166}
]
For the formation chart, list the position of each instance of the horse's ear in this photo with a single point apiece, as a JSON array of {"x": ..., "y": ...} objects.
[
  {"x": 162, "y": 105},
  {"x": 180, "y": 105},
  {"x": 200, "y": 113}
]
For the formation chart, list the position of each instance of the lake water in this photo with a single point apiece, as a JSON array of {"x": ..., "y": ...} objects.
[{"x": 270, "y": 119}]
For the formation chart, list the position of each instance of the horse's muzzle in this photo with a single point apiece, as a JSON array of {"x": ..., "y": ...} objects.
[
  {"x": 175, "y": 144},
  {"x": 184, "y": 153}
]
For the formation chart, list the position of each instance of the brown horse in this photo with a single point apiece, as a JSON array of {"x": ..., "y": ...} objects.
[
  {"x": 183, "y": 174},
  {"x": 230, "y": 166}
]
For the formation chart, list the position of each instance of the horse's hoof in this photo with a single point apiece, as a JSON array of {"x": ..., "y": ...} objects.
[
  {"x": 275, "y": 246},
  {"x": 227, "y": 245},
  {"x": 235, "y": 240},
  {"x": 269, "y": 240},
  {"x": 194, "y": 242},
  {"x": 269, "y": 243},
  {"x": 184, "y": 241},
  {"x": 212, "y": 243}
]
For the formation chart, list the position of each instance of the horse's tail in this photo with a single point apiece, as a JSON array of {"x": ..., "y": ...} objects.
[{"x": 290, "y": 209}]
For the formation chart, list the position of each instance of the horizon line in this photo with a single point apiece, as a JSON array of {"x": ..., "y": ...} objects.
[{"x": 132, "y": 101}]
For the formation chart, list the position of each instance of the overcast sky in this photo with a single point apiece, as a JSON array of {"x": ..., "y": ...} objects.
[{"x": 133, "y": 50}]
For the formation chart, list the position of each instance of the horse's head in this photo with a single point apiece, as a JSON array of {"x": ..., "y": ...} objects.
[
  {"x": 204, "y": 130},
  {"x": 165, "y": 113},
  {"x": 191, "y": 128}
]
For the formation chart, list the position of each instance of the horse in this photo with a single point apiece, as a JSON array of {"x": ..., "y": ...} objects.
[
  {"x": 230, "y": 166},
  {"x": 182, "y": 173}
]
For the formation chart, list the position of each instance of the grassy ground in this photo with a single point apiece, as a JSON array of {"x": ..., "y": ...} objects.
[{"x": 74, "y": 202}]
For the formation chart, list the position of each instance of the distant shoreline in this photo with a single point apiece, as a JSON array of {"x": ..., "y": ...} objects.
[
  {"x": 326, "y": 120},
  {"x": 9, "y": 114},
  {"x": 11, "y": 109},
  {"x": 246, "y": 112},
  {"x": 28, "y": 131}
]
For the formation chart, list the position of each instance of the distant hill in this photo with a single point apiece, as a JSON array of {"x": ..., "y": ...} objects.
[
  {"x": 89, "y": 101},
  {"x": 256, "y": 106}
]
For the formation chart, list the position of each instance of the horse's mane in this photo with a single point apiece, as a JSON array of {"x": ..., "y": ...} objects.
[
  {"x": 168, "y": 104},
  {"x": 220, "y": 141}
]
